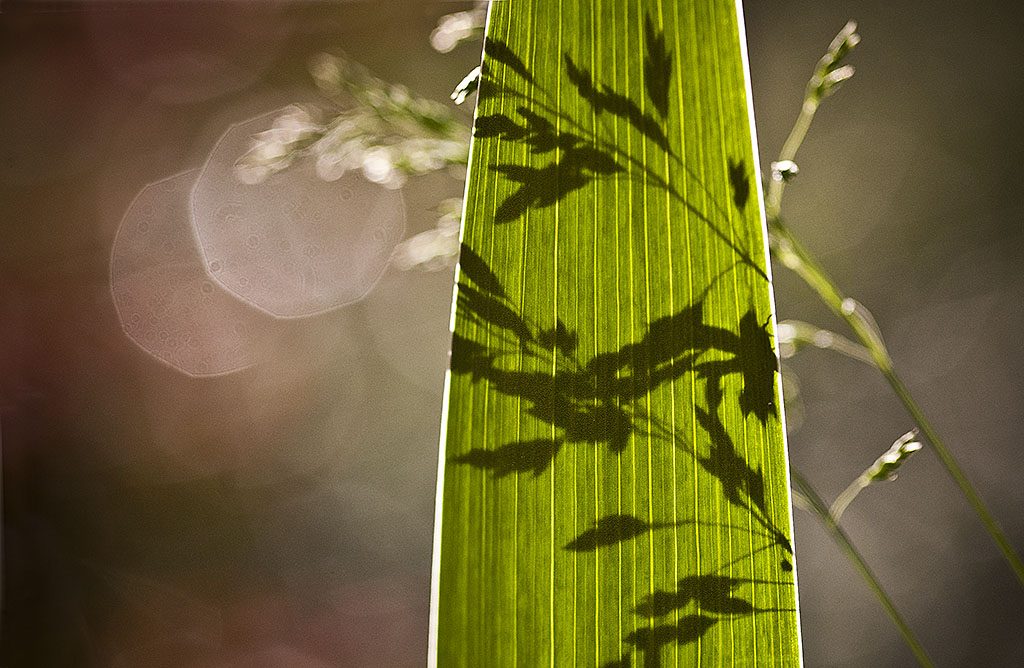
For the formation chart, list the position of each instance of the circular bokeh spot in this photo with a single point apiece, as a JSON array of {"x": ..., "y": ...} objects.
[
  {"x": 165, "y": 300},
  {"x": 292, "y": 245}
]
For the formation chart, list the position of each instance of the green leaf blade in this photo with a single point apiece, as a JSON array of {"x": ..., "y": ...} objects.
[{"x": 613, "y": 445}]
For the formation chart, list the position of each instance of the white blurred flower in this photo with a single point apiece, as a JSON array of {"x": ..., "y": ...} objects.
[
  {"x": 422, "y": 155},
  {"x": 784, "y": 170},
  {"x": 428, "y": 109},
  {"x": 454, "y": 28},
  {"x": 387, "y": 133},
  {"x": 399, "y": 95},
  {"x": 830, "y": 71},
  {"x": 334, "y": 158},
  {"x": 263, "y": 159},
  {"x": 376, "y": 97},
  {"x": 326, "y": 70},
  {"x": 295, "y": 123},
  {"x": 251, "y": 174},
  {"x": 330, "y": 166},
  {"x": 467, "y": 86},
  {"x": 430, "y": 251},
  {"x": 831, "y": 81},
  {"x": 885, "y": 466},
  {"x": 843, "y": 43},
  {"x": 454, "y": 151},
  {"x": 883, "y": 469},
  {"x": 267, "y": 150},
  {"x": 434, "y": 249},
  {"x": 377, "y": 165}
]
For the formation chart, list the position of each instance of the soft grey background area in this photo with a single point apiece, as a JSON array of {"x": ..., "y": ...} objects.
[
  {"x": 910, "y": 195},
  {"x": 281, "y": 516},
  {"x": 278, "y": 516}
]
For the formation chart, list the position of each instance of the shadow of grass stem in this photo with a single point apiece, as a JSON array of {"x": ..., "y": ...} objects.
[{"x": 791, "y": 253}]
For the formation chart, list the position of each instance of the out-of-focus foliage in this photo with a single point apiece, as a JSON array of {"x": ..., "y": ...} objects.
[{"x": 378, "y": 128}]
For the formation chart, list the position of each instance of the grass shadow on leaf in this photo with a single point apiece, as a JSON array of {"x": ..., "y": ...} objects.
[
  {"x": 579, "y": 154},
  {"x": 596, "y": 400}
]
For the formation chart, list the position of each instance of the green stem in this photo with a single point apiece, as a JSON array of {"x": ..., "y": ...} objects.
[
  {"x": 957, "y": 473},
  {"x": 773, "y": 200},
  {"x": 794, "y": 256},
  {"x": 820, "y": 510},
  {"x": 846, "y": 498},
  {"x": 804, "y": 332}
]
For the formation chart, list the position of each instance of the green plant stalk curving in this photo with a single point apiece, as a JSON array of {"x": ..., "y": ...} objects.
[
  {"x": 821, "y": 511},
  {"x": 792, "y": 254}
]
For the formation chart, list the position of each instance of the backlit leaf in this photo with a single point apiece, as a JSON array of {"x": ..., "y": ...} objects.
[{"x": 613, "y": 486}]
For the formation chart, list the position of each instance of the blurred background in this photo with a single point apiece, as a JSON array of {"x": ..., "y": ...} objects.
[
  {"x": 909, "y": 194},
  {"x": 281, "y": 514}
]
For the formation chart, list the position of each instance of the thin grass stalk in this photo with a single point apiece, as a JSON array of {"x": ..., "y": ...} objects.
[
  {"x": 820, "y": 510},
  {"x": 795, "y": 257}
]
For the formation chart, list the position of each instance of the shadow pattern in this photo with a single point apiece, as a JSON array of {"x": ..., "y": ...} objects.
[
  {"x": 579, "y": 155},
  {"x": 576, "y": 164},
  {"x": 597, "y": 401},
  {"x": 657, "y": 67},
  {"x": 739, "y": 182},
  {"x": 712, "y": 597},
  {"x": 612, "y": 530}
]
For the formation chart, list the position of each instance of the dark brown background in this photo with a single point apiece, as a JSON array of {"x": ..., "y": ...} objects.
[{"x": 282, "y": 515}]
